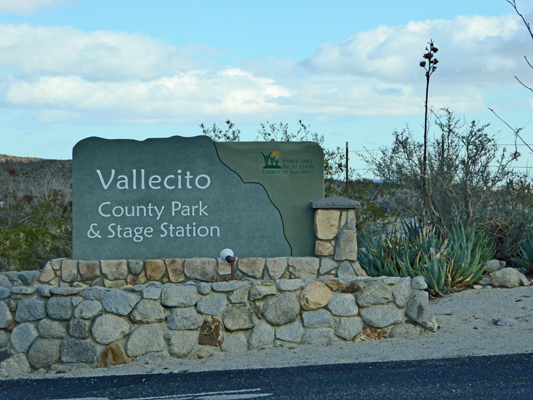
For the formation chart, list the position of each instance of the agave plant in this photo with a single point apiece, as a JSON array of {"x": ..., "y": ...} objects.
[
  {"x": 470, "y": 249},
  {"x": 437, "y": 273},
  {"x": 387, "y": 255},
  {"x": 427, "y": 242},
  {"x": 433, "y": 258},
  {"x": 377, "y": 257},
  {"x": 525, "y": 259},
  {"x": 456, "y": 261}
]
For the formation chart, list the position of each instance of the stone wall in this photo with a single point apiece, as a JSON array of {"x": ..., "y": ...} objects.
[{"x": 48, "y": 327}]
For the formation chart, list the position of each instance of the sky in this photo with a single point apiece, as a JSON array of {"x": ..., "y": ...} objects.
[{"x": 133, "y": 69}]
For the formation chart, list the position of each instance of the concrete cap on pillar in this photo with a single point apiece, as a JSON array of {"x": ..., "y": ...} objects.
[{"x": 336, "y": 202}]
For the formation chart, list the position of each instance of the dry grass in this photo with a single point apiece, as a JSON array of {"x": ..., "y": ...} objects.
[{"x": 35, "y": 211}]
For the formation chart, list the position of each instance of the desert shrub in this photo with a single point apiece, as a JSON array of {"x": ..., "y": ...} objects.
[
  {"x": 509, "y": 217},
  {"x": 35, "y": 213},
  {"x": 469, "y": 180}
]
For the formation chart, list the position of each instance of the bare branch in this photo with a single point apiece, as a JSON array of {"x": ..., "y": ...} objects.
[
  {"x": 523, "y": 84},
  {"x": 516, "y": 131},
  {"x": 513, "y": 4},
  {"x": 528, "y": 63}
]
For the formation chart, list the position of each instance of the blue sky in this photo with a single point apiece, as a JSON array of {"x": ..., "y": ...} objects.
[{"x": 137, "y": 69}]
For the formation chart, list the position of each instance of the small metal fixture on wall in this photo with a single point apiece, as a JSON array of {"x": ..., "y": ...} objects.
[{"x": 228, "y": 256}]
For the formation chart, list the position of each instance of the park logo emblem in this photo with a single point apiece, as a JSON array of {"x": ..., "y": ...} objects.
[{"x": 271, "y": 160}]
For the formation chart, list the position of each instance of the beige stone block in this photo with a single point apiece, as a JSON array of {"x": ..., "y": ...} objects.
[
  {"x": 286, "y": 275},
  {"x": 224, "y": 267},
  {"x": 314, "y": 296},
  {"x": 56, "y": 265},
  {"x": 202, "y": 269},
  {"x": 69, "y": 270},
  {"x": 175, "y": 270},
  {"x": 114, "y": 284},
  {"x": 54, "y": 282},
  {"x": 303, "y": 267},
  {"x": 346, "y": 246},
  {"x": 277, "y": 266},
  {"x": 351, "y": 219},
  {"x": 252, "y": 266},
  {"x": 323, "y": 248},
  {"x": 47, "y": 274},
  {"x": 114, "y": 269},
  {"x": 142, "y": 278},
  {"x": 89, "y": 270},
  {"x": 155, "y": 269},
  {"x": 326, "y": 224}
]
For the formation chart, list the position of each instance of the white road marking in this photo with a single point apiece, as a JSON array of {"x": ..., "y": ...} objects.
[{"x": 224, "y": 395}]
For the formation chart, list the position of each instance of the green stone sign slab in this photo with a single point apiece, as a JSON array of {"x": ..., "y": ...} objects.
[{"x": 191, "y": 197}]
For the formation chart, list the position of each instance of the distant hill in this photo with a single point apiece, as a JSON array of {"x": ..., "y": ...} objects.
[
  {"x": 34, "y": 168},
  {"x": 4, "y": 158}
]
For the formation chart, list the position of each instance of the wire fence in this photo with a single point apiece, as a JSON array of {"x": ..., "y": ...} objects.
[{"x": 366, "y": 170}]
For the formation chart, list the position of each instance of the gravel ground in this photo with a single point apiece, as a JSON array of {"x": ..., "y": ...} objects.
[{"x": 472, "y": 323}]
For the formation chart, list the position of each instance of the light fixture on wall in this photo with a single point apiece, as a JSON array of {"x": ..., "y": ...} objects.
[{"x": 228, "y": 256}]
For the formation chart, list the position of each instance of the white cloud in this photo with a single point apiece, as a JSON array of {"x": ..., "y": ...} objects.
[
  {"x": 70, "y": 75},
  {"x": 467, "y": 45},
  {"x": 27, "y": 6},
  {"x": 61, "y": 74},
  {"x": 100, "y": 55},
  {"x": 178, "y": 97},
  {"x": 477, "y": 55}
]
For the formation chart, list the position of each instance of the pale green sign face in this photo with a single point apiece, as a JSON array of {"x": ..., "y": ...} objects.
[{"x": 191, "y": 197}]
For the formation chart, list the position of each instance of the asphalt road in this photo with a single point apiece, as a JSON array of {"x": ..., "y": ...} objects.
[{"x": 486, "y": 377}]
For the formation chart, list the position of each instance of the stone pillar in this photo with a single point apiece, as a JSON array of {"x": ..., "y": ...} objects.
[{"x": 336, "y": 237}]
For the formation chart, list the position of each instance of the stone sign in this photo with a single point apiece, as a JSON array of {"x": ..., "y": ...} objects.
[{"x": 191, "y": 197}]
